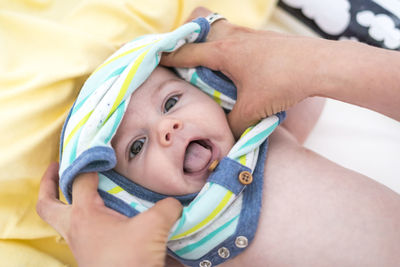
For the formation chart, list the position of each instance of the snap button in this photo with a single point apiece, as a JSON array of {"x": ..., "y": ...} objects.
[
  {"x": 245, "y": 178},
  {"x": 213, "y": 165},
  {"x": 224, "y": 252},
  {"x": 205, "y": 263},
  {"x": 241, "y": 241}
]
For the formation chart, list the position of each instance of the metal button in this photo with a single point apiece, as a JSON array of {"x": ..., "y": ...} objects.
[
  {"x": 224, "y": 252},
  {"x": 213, "y": 165},
  {"x": 205, "y": 263},
  {"x": 241, "y": 242},
  {"x": 245, "y": 178}
]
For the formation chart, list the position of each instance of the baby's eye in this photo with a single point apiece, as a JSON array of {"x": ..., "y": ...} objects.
[
  {"x": 170, "y": 103},
  {"x": 136, "y": 147}
]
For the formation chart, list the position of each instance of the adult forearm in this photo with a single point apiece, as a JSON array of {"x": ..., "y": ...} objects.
[
  {"x": 274, "y": 71},
  {"x": 362, "y": 75}
]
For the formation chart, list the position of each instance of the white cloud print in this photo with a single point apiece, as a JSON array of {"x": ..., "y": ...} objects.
[
  {"x": 381, "y": 28},
  {"x": 332, "y": 16}
]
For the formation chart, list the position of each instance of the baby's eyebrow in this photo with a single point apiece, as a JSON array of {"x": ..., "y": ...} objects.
[{"x": 164, "y": 84}]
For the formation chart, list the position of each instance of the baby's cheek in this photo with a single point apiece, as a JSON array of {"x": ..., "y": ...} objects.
[{"x": 163, "y": 179}]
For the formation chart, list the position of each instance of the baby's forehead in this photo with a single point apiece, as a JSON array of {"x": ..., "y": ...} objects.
[
  {"x": 160, "y": 75},
  {"x": 154, "y": 82},
  {"x": 152, "y": 87}
]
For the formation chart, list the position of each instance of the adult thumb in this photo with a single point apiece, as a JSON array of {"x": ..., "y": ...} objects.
[{"x": 165, "y": 213}]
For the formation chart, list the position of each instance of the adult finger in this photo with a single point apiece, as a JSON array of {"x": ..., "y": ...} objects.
[
  {"x": 193, "y": 55},
  {"x": 84, "y": 189},
  {"x": 240, "y": 118},
  {"x": 198, "y": 12},
  {"x": 219, "y": 29},
  {"x": 49, "y": 183},
  {"x": 49, "y": 207}
]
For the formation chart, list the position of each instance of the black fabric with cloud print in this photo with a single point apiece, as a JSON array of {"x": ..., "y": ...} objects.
[{"x": 375, "y": 22}]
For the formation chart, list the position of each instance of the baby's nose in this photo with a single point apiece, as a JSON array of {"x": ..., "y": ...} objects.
[{"x": 167, "y": 129}]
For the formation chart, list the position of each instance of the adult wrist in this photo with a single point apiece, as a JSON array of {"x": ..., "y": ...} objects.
[
  {"x": 339, "y": 68},
  {"x": 362, "y": 75},
  {"x": 324, "y": 71}
]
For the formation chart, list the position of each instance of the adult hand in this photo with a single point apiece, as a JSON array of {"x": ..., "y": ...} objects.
[
  {"x": 274, "y": 71},
  {"x": 263, "y": 65},
  {"x": 99, "y": 236}
]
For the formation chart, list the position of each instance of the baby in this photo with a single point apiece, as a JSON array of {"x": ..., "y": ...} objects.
[{"x": 170, "y": 134}]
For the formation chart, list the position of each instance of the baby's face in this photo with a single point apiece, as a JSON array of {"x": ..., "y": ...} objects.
[{"x": 170, "y": 134}]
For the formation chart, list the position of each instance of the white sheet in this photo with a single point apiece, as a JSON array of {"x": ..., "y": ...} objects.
[{"x": 359, "y": 139}]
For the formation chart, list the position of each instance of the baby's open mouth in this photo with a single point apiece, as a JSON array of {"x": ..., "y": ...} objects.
[{"x": 197, "y": 156}]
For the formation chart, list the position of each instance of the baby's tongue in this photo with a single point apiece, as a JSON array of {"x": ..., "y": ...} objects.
[{"x": 196, "y": 157}]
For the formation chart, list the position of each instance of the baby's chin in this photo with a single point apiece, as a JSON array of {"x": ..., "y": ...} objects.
[
  {"x": 192, "y": 186},
  {"x": 187, "y": 185}
]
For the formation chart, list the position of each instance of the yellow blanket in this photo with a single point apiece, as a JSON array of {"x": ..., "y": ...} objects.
[{"x": 47, "y": 50}]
